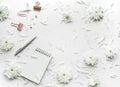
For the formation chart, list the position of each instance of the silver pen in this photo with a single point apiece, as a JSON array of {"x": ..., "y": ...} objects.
[{"x": 22, "y": 48}]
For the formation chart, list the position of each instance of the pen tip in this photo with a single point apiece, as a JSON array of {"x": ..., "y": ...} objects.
[{"x": 15, "y": 54}]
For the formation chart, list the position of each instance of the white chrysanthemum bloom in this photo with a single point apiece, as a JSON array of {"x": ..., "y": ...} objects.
[
  {"x": 6, "y": 45},
  {"x": 12, "y": 72},
  {"x": 3, "y": 13},
  {"x": 67, "y": 18},
  {"x": 90, "y": 60},
  {"x": 93, "y": 82},
  {"x": 64, "y": 77},
  {"x": 96, "y": 14},
  {"x": 110, "y": 53}
]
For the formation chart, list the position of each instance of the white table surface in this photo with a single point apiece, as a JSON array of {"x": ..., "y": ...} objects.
[{"x": 66, "y": 42}]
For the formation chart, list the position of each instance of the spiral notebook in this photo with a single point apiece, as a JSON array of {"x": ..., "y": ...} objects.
[{"x": 36, "y": 62}]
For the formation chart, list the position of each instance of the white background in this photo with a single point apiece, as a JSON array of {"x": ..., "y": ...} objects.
[{"x": 66, "y": 42}]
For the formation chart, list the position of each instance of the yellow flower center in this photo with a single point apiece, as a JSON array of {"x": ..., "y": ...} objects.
[
  {"x": 0, "y": 12},
  {"x": 6, "y": 42},
  {"x": 91, "y": 57},
  {"x": 11, "y": 69},
  {"x": 94, "y": 81},
  {"x": 64, "y": 74},
  {"x": 67, "y": 17},
  {"x": 96, "y": 11},
  {"x": 110, "y": 51}
]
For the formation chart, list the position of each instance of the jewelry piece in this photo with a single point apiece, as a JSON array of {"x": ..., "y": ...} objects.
[
  {"x": 37, "y": 6},
  {"x": 23, "y": 13},
  {"x": 18, "y": 26}
]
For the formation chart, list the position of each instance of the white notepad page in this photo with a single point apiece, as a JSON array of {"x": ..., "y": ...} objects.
[
  {"x": 35, "y": 69},
  {"x": 36, "y": 63}
]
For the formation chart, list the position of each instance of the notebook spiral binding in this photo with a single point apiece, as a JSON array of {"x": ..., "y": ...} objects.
[{"x": 43, "y": 52}]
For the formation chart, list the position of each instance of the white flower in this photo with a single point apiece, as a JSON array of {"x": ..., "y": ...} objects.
[
  {"x": 110, "y": 53},
  {"x": 3, "y": 13},
  {"x": 93, "y": 82},
  {"x": 64, "y": 77},
  {"x": 12, "y": 72},
  {"x": 90, "y": 60},
  {"x": 6, "y": 45},
  {"x": 96, "y": 14},
  {"x": 67, "y": 18}
]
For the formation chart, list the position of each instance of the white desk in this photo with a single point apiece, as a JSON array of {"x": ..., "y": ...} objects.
[{"x": 66, "y": 42}]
